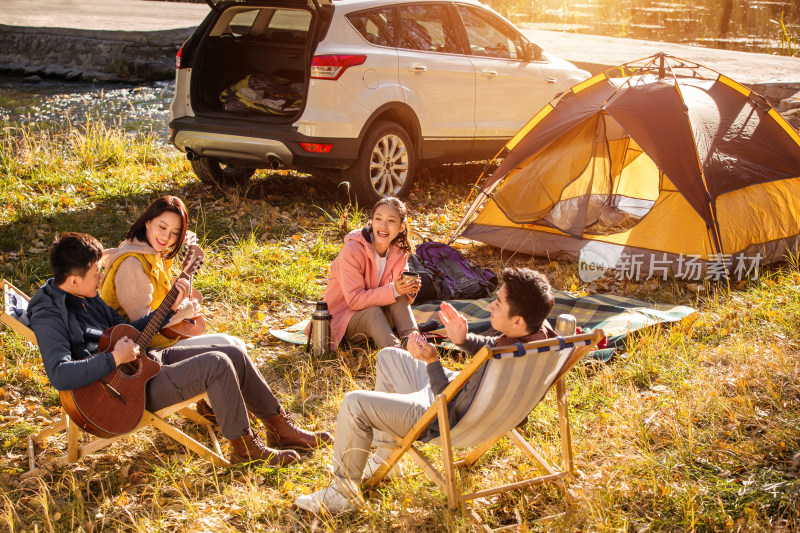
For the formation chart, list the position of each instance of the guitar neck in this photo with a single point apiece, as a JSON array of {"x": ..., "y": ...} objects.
[
  {"x": 194, "y": 257},
  {"x": 154, "y": 325}
]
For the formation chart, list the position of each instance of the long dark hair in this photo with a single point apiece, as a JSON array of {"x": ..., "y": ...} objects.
[
  {"x": 401, "y": 241},
  {"x": 173, "y": 204}
]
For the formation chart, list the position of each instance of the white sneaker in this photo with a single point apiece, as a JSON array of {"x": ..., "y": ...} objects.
[
  {"x": 375, "y": 462},
  {"x": 329, "y": 500}
]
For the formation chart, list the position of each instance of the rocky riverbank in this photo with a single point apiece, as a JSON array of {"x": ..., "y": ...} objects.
[
  {"x": 103, "y": 40},
  {"x": 74, "y": 54}
]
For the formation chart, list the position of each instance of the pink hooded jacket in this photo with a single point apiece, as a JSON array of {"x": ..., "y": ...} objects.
[{"x": 353, "y": 282}]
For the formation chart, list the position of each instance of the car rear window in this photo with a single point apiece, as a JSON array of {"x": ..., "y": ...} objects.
[
  {"x": 376, "y": 25},
  {"x": 290, "y": 19},
  {"x": 427, "y": 28},
  {"x": 242, "y": 22},
  {"x": 269, "y": 24}
]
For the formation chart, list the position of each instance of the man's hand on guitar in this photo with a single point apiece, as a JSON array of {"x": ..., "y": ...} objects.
[{"x": 125, "y": 351}]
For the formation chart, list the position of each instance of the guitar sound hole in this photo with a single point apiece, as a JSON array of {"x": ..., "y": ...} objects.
[{"x": 130, "y": 369}]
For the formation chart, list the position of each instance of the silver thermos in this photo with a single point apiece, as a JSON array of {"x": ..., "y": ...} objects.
[
  {"x": 321, "y": 330},
  {"x": 565, "y": 325}
]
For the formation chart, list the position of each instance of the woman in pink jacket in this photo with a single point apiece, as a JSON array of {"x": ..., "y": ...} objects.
[{"x": 366, "y": 296}]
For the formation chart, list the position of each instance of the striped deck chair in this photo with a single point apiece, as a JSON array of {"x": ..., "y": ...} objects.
[
  {"x": 15, "y": 302},
  {"x": 515, "y": 381}
]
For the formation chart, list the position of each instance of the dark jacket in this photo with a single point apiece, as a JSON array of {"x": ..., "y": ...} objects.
[
  {"x": 439, "y": 378},
  {"x": 67, "y": 346}
]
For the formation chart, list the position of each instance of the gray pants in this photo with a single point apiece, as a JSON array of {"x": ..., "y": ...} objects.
[
  {"x": 402, "y": 395},
  {"x": 227, "y": 373},
  {"x": 212, "y": 339},
  {"x": 376, "y": 323}
]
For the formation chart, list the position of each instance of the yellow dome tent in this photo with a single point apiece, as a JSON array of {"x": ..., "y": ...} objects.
[{"x": 660, "y": 159}]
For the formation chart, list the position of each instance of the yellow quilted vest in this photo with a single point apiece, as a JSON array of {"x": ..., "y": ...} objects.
[{"x": 157, "y": 269}]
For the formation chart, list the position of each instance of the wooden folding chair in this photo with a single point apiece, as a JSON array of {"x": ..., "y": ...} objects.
[
  {"x": 15, "y": 303},
  {"x": 516, "y": 379}
]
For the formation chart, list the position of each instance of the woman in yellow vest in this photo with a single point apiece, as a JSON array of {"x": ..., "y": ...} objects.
[
  {"x": 138, "y": 278},
  {"x": 139, "y": 272}
]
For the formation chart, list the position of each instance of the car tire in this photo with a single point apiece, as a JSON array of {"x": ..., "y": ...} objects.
[
  {"x": 212, "y": 171},
  {"x": 385, "y": 165}
]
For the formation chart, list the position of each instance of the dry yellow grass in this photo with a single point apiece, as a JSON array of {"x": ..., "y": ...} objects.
[{"x": 694, "y": 427}]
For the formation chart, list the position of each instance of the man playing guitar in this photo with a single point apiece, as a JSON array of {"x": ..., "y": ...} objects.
[{"x": 69, "y": 318}]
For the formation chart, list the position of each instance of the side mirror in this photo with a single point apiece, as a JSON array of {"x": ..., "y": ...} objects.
[{"x": 533, "y": 52}]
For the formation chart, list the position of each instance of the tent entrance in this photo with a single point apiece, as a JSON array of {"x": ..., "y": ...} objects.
[{"x": 612, "y": 182}]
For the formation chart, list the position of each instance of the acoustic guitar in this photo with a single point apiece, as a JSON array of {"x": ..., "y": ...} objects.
[
  {"x": 114, "y": 405},
  {"x": 189, "y": 327}
]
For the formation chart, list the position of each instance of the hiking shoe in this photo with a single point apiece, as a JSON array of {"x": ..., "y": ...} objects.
[
  {"x": 249, "y": 448},
  {"x": 282, "y": 432},
  {"x": 205, "y": 410},
  {"x": 332, "y": 500},
  {"x": 375, "y": 462}
]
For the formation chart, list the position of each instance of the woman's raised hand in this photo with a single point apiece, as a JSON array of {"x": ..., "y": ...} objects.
[{"x": 455, "y": 324}]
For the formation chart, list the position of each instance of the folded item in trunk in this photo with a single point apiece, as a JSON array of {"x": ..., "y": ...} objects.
[{"x": 271, "y": 95}]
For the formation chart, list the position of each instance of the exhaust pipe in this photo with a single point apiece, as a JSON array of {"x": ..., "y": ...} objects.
[
  {"x": 275, "y": 162},
  {"x": 191, "y": 156}
]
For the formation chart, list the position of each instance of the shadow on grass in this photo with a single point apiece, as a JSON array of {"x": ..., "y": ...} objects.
[{"x": 26, "y": 239}]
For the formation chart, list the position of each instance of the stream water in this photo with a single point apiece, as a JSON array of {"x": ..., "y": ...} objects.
[
  {"x": 54, "y": 103},
  {"x": 746, "y": 25}
]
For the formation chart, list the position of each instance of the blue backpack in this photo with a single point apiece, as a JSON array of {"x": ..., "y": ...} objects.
[{"x": 448, "y": 275}]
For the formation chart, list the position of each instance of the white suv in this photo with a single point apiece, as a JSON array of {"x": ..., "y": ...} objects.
[{"x": 358, "y": 90}]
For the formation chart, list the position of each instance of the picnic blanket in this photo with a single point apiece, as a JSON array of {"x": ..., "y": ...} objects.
[{"x": 616, "y": 315}]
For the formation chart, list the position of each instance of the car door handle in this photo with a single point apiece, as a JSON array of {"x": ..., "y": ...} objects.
[
  {"x": 489, "y": 73},
  {"x": 416, "y": 67},
  {"x": 550, "y": 79}
]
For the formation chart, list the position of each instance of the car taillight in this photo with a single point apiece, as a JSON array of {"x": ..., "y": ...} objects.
[
  {"x": 332, "y": 66},
  {"x": 316, "y": 148},
  {"x": 178, "y": 59}
]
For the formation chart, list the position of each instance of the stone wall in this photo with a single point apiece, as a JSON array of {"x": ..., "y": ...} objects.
[{"x": 90, "y": 54}]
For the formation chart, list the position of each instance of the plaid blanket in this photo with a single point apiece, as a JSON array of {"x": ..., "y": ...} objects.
[{"x": 616, "y": 315}]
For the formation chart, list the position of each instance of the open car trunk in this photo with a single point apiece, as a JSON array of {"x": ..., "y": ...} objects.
[{"x": 253, "y": 61}]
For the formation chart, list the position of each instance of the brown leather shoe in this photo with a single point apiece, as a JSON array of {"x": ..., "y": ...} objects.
[
  {"x": 282, "y": 432},
  {"x": 250, "y": 448},
  {"x": 205, "y": 410}
]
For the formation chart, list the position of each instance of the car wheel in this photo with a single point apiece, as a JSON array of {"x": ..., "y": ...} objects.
[
  {"x": 385, "y": 165},
  {"x": 214, "y": 172}
]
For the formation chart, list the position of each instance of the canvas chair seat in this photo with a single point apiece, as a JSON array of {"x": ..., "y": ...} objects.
[
  {"x": 506, "y": 395},
  {"x": 515, "y": 380},
  {"x": 15, "y": 302},
  {"x": 14, "y": 312}
]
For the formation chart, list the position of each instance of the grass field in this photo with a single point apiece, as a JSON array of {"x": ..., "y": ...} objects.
[{"x": 693, "y": 428}]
